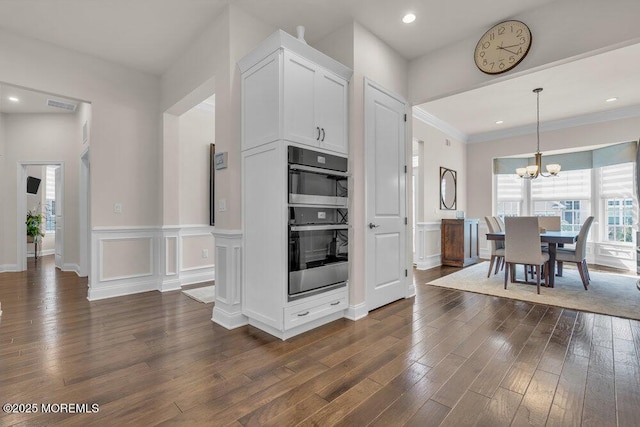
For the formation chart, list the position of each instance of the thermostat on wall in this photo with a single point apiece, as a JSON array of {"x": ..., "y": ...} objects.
[{"x": 221, "y": 160}]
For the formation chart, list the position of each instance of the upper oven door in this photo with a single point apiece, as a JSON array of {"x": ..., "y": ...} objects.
[{"x": 314, "y": 186}]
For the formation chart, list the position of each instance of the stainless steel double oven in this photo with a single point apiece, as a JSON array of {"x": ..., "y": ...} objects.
[{"x": 318, "y": 222}]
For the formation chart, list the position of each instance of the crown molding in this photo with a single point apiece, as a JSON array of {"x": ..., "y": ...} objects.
[
  {"x": 586, "y": 119},
  {"x": 441, "y": 125}
]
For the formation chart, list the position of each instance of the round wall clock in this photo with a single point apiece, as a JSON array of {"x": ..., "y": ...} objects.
[{"x": 502, "y": 47}]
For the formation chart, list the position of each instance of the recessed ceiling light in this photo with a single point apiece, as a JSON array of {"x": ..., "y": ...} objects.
[
  {"x": 499, "y": 122},
  {"x": 13, "y": 99},
  {"x": 409, "y": 18},
  {"x": 612, "y": 99}
]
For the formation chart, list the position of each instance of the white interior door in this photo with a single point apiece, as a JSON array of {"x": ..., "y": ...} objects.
[
  {"x": 386, "y": 279},
  {"x": 59, "y": 218}
]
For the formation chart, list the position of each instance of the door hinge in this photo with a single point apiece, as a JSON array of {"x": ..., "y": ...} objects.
[
  {"x": 405, "y": 168},
  {"x": 406, "y": 273},
  {"x": 405, "y": 221},
  {"x": 405, "y": 117}
]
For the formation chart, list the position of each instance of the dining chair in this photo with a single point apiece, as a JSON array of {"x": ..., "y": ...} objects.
[
  {"x": 579, "y": 254},
  {"x": 497, "y": 247},
  {"x": 500, "y": 223},
  {"x": 522, "y": 246}
]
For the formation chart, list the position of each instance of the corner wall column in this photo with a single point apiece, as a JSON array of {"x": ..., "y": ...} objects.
[{"x": 227, "y": 310}]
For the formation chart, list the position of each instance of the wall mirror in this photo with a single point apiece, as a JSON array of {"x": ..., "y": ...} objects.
[{"x": 448, "y": 189}]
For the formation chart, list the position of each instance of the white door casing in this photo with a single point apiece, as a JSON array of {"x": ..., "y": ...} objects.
[
  {"x": 59, "y": 255},
  {"x": 385, "y": 179}
]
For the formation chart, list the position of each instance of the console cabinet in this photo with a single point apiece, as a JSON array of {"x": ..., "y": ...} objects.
[{"x": 459, "y": 242}]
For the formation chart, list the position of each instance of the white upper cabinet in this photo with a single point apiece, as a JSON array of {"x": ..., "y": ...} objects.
[
  {"x": 293, "y": 92},
  {"x": 315, "y": 105}
]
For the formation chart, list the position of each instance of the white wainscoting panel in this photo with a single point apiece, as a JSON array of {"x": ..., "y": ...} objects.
[
  {"x": 613, "y": 255},
  {"x": 427, "y": 241},
  {"x": 227, "y": 310},
  {"x": 115, "y": 280},
  {"x": 483, "y": 243},
  {"x": 159, "y": 250}
]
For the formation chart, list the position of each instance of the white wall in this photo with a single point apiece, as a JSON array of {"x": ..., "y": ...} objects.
[
  {"x": 42, "y": 138},
  {"x": 2, "y": 191},
  {"x": 124, "y": 127},
  {"x": 197, "y": 132},
  {"x": 480, "y": 156},
  {"x": 435, "y": 153},
  {"x": 214, "y": 55},
  {"x": 561, "y": 31},
  {"x": 375, "y": 60}
]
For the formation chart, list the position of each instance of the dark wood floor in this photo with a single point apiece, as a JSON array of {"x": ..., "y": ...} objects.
[{"x": 442, "y": 358}]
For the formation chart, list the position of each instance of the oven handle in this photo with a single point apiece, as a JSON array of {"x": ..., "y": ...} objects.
[
  {"x": 322, "y": 171},
  {"x": 322, "y": 227}
]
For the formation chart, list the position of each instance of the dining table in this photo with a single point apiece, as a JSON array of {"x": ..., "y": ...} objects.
[{"x": 554, "y": 239}]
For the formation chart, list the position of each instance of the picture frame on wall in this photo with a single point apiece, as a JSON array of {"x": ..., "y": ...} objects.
[{"x": 212, "y": 183}]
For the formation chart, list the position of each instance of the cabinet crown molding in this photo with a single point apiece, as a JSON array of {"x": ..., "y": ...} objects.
[{"x": 281, "y": 39}]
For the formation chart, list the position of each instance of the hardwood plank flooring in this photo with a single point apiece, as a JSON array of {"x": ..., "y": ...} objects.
[{"x": 445, "y": 358}]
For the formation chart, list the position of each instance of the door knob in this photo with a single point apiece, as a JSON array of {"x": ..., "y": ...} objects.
[{"x": 372, "y": 225}]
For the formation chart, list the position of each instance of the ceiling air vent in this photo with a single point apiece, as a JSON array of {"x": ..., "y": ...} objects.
[{"x": 60, "y": 104}]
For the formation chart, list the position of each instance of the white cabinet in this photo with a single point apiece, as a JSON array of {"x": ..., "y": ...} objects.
[
  {"x": 291, "y": 95},
  {"x": 315, "y": 105},
  {"x": 265, "y": 243},
  {"x": 293, "y": 92}
]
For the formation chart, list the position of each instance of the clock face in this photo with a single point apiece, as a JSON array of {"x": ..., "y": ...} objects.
[{"x": 502, "y": 47}]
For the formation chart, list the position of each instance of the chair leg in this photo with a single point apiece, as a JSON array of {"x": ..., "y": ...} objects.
[
  {"x": 506, "y": 273},
  {"x": 499, "y": 261},
  {"x": 586, "y": 269},
  {"x": 493, "y": 259},
  {"x": 538, "y": 278},
  {"x": 526, "y": 273},
  {"x": 583, "y": 275}
]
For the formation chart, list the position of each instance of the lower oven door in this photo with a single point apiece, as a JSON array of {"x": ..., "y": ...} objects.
[{"x": 318, "y": 259}]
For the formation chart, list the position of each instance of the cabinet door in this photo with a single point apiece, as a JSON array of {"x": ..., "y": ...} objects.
[
  {"x": 331, "y": 110},
  {"x": 299, "y": 100}
]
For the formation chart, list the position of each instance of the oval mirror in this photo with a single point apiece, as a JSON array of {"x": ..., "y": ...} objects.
[{"x": 447, "y": 189}]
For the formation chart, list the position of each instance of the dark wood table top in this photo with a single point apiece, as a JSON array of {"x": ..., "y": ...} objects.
[{"x": 558, "y": 237}]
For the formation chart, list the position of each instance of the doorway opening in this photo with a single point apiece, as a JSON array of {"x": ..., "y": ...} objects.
[{"x": 46, "y": 200}]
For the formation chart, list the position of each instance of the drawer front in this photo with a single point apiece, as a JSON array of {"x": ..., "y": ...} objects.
[{"x": 306, "y": 312}]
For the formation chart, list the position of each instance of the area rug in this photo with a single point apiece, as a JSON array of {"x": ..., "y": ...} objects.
[
  {"x": 612, "y": 294},
  {"x": 206, "y": 294}
]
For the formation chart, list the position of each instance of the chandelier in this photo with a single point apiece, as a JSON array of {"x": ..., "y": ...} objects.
[{"x": 534, "y": 171}]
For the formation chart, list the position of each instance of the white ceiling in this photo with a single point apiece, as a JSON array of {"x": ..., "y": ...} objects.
[
  {"x": 575, "y": 89},
  {"x": 149, "y": 35},
  {"x": 30, "y": 101}
]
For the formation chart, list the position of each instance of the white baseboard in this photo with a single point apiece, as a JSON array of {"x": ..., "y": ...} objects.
[
  {"x": 42, "y": 253},
  {"x": 430, "y": 261},
  {"x": 228, "y": 320},
  {"x": 411, "y": 291},
  {"x": 71, "y": 267},
  {"x": 170, "y": 284},
  {"x": 5, "y": 268},
  {"x": 122, "y": 288},
  {"x": 190, "y": 277},
  {"x": 356, "y": 312}
]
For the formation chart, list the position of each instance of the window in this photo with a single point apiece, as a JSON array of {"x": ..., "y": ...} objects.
[
  {"x": 616, "y": 184},
  {"x": 510, "y": 195},
  {"x": 567, "y": 196},
  {"x": 50, "y": 199}
]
